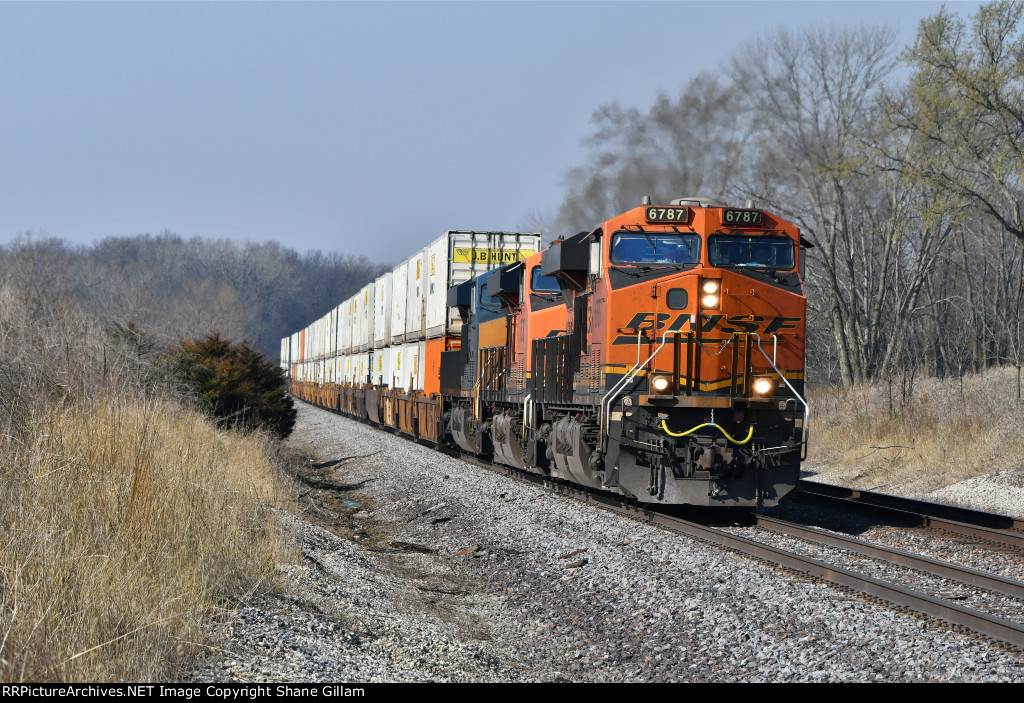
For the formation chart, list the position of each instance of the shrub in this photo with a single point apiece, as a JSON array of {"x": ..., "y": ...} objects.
[{"x": 238, "y": 383}]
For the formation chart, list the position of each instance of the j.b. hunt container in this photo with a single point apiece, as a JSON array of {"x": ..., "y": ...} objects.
[
  {"x": 419, "y": 292},
  {"x": 457, "y": 256}
]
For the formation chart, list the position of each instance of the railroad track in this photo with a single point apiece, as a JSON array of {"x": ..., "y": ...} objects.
[
  {"x": 963, "y": 523},
  {"x": 981, "y": 602},
  {"x": 985, "y": 603}
]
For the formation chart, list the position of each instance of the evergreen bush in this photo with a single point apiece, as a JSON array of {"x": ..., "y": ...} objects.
[{"x": 241, "y": 387}]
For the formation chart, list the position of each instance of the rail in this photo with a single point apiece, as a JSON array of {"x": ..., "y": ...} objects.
[{"x": 965, "y": 522}]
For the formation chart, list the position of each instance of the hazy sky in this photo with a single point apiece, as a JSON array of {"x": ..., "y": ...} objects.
[{"x": 367, "y": 128}]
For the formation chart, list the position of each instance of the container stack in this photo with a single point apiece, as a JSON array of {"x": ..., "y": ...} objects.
[{"x": 391, "y": 332}]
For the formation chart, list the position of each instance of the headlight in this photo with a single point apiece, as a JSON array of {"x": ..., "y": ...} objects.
[
  {"x": 709, "y": 288},
  {"x": 763, "y": 386},
  {"x": 660, "y": 384}
]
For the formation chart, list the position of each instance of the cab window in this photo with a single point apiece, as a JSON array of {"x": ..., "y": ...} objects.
[
  {"x": 655, "y": 248},
  {"x": 540, "y": 283},
  {"x": 484, "y": 303},
  {"x": 758, "y": 252}
]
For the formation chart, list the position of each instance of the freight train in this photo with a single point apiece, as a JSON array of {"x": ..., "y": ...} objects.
[{"x": 659, "y": 356}]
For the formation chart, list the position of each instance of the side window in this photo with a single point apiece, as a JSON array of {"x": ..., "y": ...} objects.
[{"x": 542, "y": 284}]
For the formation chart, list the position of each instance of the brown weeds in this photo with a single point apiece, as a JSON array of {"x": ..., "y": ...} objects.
[
  {"x": 875, "y": 437},
  {"x": 126, "y": 524}
]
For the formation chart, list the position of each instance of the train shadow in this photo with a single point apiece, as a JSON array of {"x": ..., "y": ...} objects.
[{"x": 812, "y": 511}]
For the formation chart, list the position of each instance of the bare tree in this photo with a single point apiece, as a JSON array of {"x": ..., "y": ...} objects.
[
  {"x": 816, "y": 159},
  {"x": 688, "y": 146}
]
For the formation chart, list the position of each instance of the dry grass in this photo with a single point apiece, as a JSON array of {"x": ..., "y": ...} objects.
[
  {"x": 125, "y": 526},
  {"x": 870, "y": 437}
]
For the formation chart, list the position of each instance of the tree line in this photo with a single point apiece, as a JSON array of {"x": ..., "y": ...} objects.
[
  {"x": 901, "y": 165},
  {"x": 165, "y": 287}
]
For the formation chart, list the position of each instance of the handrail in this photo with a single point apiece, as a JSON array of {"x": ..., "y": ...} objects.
[
  {"x": 630, "y": 375},
  {"x": 488, "y": 386},
  {"x": 615, "y": 389},
  {"x": 807, "y": 409}
]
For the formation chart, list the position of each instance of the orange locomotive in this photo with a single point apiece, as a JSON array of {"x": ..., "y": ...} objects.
[{"x": 667, "y": 366}]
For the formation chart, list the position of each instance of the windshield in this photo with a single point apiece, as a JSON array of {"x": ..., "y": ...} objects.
[
  {"x": 755, "y": 251},
  {"x": 540, "y": 283},
  {"x": 655, "y": 248}
]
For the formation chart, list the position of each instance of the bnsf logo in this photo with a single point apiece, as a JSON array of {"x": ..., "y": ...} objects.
[{"x": 709, "y": 323}]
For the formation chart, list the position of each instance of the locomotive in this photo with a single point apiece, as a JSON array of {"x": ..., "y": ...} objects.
[{"x": 659, "y": 356}]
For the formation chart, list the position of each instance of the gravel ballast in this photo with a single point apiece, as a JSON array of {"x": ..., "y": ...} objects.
[{"x": 454, "y": 573}]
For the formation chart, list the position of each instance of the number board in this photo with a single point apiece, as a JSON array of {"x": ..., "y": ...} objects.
[
  {"x": 667, "y": 214},
  {"x": 742, "y": 218}
]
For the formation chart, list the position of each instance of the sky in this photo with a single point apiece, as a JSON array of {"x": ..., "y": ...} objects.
[{"x": 364, "y": 128}]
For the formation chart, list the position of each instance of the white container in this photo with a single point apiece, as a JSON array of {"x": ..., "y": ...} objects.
[
  {"x": 370, "y": 313},
  {"x": 332, "y": 332},
  {"x": 381, "y": 367},
  {"x": 382, "y": 311},
  {"x": 459, "y": 255},
  {"x": 364, "y": 318},
  {"x": 344, "y": 364},
  {"x": 400, "y": 286},
  {"x": 321, "y": 337},
  {"x": 393, "y": 378},
  {"x": 415, "y": 295},
  {"x": 353, "y": 324},
  {"x": 408, "y": 366},
  {"x": 325, "y": 339},
  {"x": 346, "y": 327},
  {"x": 361, "y": 367},
  {"x": 358, "y": 331},
  {"x": 339, "y": 330}
]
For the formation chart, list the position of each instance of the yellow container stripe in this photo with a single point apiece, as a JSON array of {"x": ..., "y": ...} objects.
[{"x": 467, "y": 255}]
